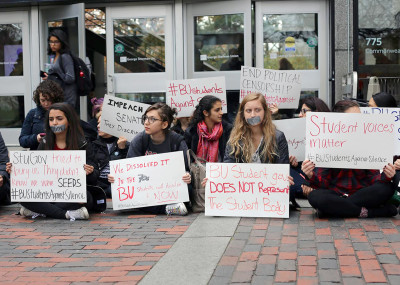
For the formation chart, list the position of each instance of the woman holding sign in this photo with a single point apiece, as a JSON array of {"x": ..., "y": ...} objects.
[
  {"x": 350, "y": 192},
  {"x": 63, "y": 132},
  {"x": 155, "y": 139},
  {"x": 207, "y": 134}
]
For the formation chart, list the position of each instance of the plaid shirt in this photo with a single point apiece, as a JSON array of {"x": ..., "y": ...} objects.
[{"x": 345, "y": 181}]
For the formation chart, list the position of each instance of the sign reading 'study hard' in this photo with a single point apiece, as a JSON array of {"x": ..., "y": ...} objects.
[
  {"x": 48, "y": 176},
  {"x": 247, "y": 190},
  {"x": 184, "y": 95},
  {"x": 120, "y": 117},
  {"x": 354, "y": 141}
]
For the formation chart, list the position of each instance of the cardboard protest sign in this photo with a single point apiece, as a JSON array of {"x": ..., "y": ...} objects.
[
  {"x": 295, "y": 133},
  {"x": 48, "y": 176},
  {"x": 148, "y": 181},
  {"x": 184, "y": 95},
  {"x": 395, "y": 113},
  {"x": 247, "y": 190},
  {"x": 120, "y": 117},
  {"x": 354, "y": 141},
  {"x": 281, "y": 87}
]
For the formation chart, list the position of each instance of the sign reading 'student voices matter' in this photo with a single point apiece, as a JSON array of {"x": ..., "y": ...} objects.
[
  {"x": 120, "y": 117},
  {"x": 295, "y": 133},
  {"x": 358, "y": 141},
  {"x": 184, "y": 95},
  {"x": 247, "y": 190},
  {"x": 148, "y": 181},
  {"x": 281, "y": 87},
  {"x": 48, "y": 176}
]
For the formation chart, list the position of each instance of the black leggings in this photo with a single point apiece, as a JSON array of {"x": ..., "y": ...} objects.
[
  {"x": 333, "y": 204},
  {"x": 57, "y": 210}
]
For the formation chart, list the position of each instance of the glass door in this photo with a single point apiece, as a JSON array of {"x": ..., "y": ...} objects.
[
  {"x": 290, "y": 36},
  {"x": 218, "y": 40},
  {"x": 70, "y": 19},
  {"x": 15, "y": 80},
  {"x": 139, "y": 51}
]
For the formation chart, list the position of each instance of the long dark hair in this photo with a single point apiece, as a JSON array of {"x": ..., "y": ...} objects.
[
  {"x": 383, "y": 99},
  {"x": 62, "y": 37},
  {"x": 316, "y": 104},
  {"x": 206, "y": 103},
  {"x": 166, "y": 113},
  {"x": 75, "y": 133}
]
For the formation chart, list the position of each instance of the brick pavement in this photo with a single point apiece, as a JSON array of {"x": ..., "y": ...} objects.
[
  {"x": 109, "y": 248},
  {"x": 306, "y": 250}
]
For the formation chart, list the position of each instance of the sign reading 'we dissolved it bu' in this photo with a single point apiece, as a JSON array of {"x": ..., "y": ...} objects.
[
  {"x": 281, "y": 87},
  {"x": 184, "y": 95},
  {"x": 148, "y": 181},
  {"x": 247, "y": 190},
  {"x": 48, "y": 176},
  {"x": 120, "y": 117},
  {"x": 354, "y": 141}
]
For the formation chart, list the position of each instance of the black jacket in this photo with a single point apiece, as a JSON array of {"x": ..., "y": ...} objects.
[
  {"x": 86, "y": 145},
  {"x": 192, "y": 138},
  {"x": 5, "y": 189},
  {"x": 104, "y": 156},
  {"x": 282, "y": 151}
]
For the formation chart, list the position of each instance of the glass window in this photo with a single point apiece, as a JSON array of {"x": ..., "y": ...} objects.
[
  {"x": 218, "y": 42},
  {"x": 147, "y": 98},
  {"x": 12, "y": 111},
  {"x": 291, "y": 41},
  {"x": 139, "y": 45},
  {"x": 379, "y": 44},
  {"x": 11, "y": 52}
]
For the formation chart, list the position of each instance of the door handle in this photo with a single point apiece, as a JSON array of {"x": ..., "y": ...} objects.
[{"x": 110, "y": 85}]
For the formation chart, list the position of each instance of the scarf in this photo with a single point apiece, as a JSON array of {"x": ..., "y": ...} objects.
[{"x": 207, "y": 148}]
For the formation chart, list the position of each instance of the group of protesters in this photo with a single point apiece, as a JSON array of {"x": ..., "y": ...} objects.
[{"x": 253, "y": 138}]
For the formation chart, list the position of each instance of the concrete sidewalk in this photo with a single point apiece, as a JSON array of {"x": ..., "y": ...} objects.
[{"x": 133, "y": 247}]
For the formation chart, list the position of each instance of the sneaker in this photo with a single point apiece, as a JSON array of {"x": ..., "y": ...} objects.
[
  {"x": 80, "y": 214},
  {"x": 28, "y": 213},
  {"x": 178, "y": 209}
]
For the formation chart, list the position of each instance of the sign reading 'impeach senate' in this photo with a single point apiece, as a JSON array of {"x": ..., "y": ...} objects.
[
  {"x": 354, "y": 141},
  {"x": 48, "y": 176},
  {"x": 281, "y": 87},
  {"x": 120, "y": 117},
  {"x": 247, "y": 190},
  {"x": 148, "y": 181},
  {"x": 184, "y": 95}
]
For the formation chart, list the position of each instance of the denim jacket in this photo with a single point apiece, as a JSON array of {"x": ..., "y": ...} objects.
[{"x": 32, "y": 126}]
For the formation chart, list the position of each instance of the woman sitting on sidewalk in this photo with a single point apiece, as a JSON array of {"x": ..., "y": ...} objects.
[
  {"x": 63, "y": 132},
  {"x": 155, "y": 139},
  {"x": 350, "y": 192}
]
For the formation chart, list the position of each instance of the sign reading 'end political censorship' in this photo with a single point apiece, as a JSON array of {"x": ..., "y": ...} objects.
[
  {"x": 247, "y": 190},
  {"x": 48, "y": 176},
  {"x": 358, "y": 141},
  {"x": 120, "y": 117},
  {"x": 148, "y": 181},
  {"x": 281, "y": 87},
  {"x": 295, "y": 133},
  {"x": 184, "y": 95}
]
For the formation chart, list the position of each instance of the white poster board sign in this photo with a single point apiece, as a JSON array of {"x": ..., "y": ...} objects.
[
  {"x": 295, "y": 133},
  {"x": 148, "y": 181},
  {"x": 184, "y": 95},
  {"x": 247, "y": 190},
  {"x": 121, "y": 117},
  {"x": 48, "y": 176},
  {"x": 395, "y": 113},
  {"x": 353, "y": 141},
  {"x": 281, "y": 87}
]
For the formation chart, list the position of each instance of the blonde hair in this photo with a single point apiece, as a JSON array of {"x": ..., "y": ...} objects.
[{"x": 240, "y": 139}]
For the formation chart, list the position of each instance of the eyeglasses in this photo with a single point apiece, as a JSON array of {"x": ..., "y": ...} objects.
[
  {"x": 54, "y": 42},
  {"x": 303, "y": 111},
  {"x": 150, "y": 119}
]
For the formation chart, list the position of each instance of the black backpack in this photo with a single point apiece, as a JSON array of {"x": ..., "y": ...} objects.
[{"x": 83, "y": 79}]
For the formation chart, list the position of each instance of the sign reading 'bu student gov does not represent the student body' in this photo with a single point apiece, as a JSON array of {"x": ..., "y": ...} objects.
[
  {"x": 353, "y": 141},
  {"x": 247, "y": 190},
  {"x": 149, "y": 180},
  {"x": 48, "y": 176},
  {"x": 120, "y": 117}
]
